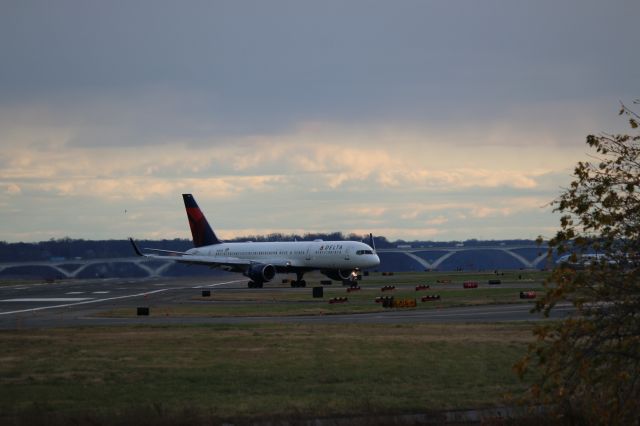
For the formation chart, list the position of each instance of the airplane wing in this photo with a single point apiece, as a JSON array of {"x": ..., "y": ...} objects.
[
  {"x": 171, "y": 252},
  {"x": 217, "y": 262},
  {"x": 184, "y": 257}
]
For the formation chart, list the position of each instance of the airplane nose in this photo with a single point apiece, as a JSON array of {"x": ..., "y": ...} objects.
[{"x": 376, "y": 260}]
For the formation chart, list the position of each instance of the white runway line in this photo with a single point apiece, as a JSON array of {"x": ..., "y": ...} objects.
[
  {"x": 76, "y": 292},
  {"x": 47, "y": 299},
  {"x": 84, "y": 302},
  {"x": 100, "y": 292},
  {"x": 215, "y": 285}
]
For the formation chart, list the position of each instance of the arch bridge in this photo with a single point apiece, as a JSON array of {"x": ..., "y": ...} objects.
[
  {"x": 73, "y": 268},
  {"x": 448, "y": 252}
]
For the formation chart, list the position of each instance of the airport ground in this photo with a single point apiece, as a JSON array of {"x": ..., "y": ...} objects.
[{"x": 78, "y": 350}]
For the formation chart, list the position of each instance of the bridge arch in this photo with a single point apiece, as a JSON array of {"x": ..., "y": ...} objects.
[{"x": 447, "y": 252}]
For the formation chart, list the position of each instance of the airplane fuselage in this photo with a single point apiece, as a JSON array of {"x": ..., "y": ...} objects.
[{"x": 303, "y": 254}]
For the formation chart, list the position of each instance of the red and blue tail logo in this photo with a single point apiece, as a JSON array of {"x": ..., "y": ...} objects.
[{"x": 201, "y": 232}]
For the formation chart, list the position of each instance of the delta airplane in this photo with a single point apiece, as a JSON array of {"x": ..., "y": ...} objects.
[
  {"x": 338, "y": 260},
  {"x": 585, "y": 260}
]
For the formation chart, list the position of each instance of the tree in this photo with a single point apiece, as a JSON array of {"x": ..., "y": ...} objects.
[{"x": 589, "y": 363}]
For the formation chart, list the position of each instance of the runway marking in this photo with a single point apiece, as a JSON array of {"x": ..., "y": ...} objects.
[
  {"x": 84, "y": 302},
  {"x": 47, "y": 299},
  {"x": 100, "y": 292},
  {"x": 76, "y": 292},
  {"x": 215, "y": 285}
]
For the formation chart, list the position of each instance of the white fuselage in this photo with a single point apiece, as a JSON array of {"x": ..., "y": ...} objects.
[{"x": 303, "y": 254}]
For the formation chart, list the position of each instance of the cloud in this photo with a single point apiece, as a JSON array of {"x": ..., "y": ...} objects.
[
  {"x": 439, "y": 220},
  {"x": 372, "y": 212},
  {"x": 484, "y": 211},
  {"x": 348, "y": 161},
  {"x": 12, "y": 189},
  {"x": 452, "y": 122},
  {"x": 144, "y": 188},
  {"x": 395, "y": 233},
  {"x": 460, "y": 178}
]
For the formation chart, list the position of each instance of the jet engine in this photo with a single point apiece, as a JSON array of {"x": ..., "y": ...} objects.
[
  {"x": 338, "y": 274},
  {"x": 261, "y": 273}
]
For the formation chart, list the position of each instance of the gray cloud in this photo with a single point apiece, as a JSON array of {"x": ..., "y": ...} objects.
[
  {"x": 262, "y": 66},
  {"x": 303, "y": 109}
]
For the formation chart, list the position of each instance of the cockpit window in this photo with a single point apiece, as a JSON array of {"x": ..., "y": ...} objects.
[{"x": 359, "y": 252}]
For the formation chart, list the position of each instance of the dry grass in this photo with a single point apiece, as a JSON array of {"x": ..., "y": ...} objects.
[{"x": 247, "y": 372}]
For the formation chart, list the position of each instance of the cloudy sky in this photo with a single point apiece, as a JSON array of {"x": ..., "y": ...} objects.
[{"x": 440, "y": 120}]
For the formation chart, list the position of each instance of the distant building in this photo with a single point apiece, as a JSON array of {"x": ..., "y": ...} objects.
[{"x": 403, "y": 246}]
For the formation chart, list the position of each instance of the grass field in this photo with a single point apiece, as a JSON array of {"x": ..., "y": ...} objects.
[
  {"x": 209, "y": 374},
  {"x": 238, "y": 373}
]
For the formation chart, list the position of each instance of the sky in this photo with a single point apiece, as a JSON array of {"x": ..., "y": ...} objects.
[{"x": 416, "y": 120}]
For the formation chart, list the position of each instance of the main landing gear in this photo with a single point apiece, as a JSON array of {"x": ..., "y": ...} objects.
[
  {"x": 298, "y": 282},
  {"x": 254, "y": 284}
]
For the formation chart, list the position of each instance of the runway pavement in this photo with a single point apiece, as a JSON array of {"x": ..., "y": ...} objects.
[{"x": 76, "y": 303}]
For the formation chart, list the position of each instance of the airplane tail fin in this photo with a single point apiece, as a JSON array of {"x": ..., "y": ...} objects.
[{"x": 201, "y": 232}]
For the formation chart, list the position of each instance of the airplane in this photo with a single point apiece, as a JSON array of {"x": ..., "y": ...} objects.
[
  {"x": 260, "y": 261},
  {"x": 585, "y": 260}
]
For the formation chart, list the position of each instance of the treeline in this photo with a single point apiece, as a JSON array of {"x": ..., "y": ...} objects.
[{"x": 67, "y": 248}]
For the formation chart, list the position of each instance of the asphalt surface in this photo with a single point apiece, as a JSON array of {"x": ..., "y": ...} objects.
[{"x": 78, "y": 303}]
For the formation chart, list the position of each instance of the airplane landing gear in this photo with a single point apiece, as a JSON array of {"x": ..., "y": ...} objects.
[
  {"x": 254, "y": 284},
  {"x": 299, "y": 282}
]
